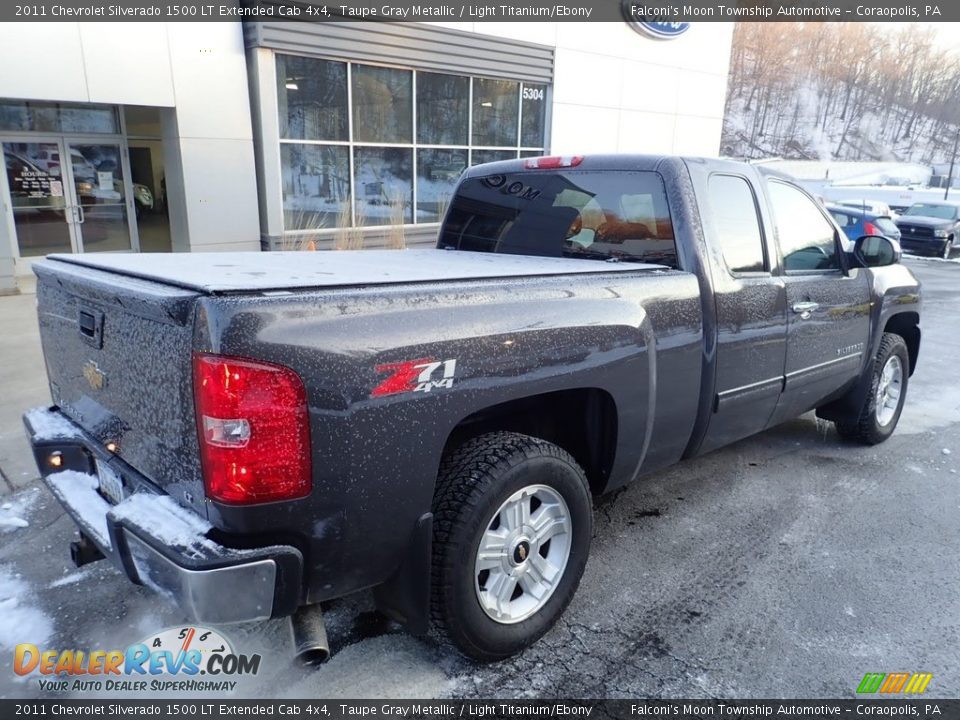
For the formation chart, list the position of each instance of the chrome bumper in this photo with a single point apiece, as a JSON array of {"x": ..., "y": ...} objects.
[{"x": 157, "y": 542}]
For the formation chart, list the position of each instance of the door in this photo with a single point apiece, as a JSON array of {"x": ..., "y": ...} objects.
[
  {"x": 43, "y": 215},
  {"x": 751, "y": 313},
  {"x": 100, "y": 186},
  {"x": 828, "y": 318}
]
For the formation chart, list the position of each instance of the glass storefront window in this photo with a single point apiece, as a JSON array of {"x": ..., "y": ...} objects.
[
  {"x": 382, "y": 104},
  {"x": 312, "y": 98},
  {"x": 485, "y": 156},
  {"x": 29, "y": 116},
  {"x": 496, "y": 110},
  {"x": 437, "y": 173},
  {"x": 404, "y": 138},
  {"x": 316, "y": 186},
  {"x": 443, "y": 109},
  {"x": 384, "y": 185}
]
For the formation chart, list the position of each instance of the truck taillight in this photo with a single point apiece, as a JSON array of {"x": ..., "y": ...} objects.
[
  {"x": 254, "y": 430},
  {"x": 553, "y": 162}
]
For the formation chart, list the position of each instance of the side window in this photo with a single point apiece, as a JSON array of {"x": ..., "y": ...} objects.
[
  {"x": 735, "y": 214},
  {"x": 806, "y": 237},
  {"x": 843, "y": 220}
]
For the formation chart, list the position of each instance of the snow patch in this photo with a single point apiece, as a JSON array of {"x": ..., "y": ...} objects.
[
  {"x": 20, "y": 618},
  {"x": 78, "y": 491},
  {"x": 13, "y": 514},
  {"x": 69, "y": 579},
  {"x": 168, "y": 522},
  {"x": 49, "y": 425}
]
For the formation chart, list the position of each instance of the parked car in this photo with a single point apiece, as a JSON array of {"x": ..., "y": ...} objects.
[
  {"x": 875, "y": 207},
  {"x": 255, "y": 433},
  {"x": 856, "y": 223},
  {"x": 931, "y": 228}
]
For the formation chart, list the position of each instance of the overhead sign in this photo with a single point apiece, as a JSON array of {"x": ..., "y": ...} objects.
[{"x": 647, "y": 25}]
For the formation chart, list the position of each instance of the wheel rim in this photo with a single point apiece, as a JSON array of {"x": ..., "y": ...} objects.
[
  {"x": 889, "y": 388},
  {"x": 523, "y": 554}
]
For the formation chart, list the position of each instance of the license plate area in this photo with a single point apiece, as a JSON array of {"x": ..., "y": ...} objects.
[{"x": 111, "y": 484}]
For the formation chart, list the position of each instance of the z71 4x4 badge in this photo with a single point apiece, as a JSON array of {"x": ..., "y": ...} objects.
[{"x": 415, "y": 376}]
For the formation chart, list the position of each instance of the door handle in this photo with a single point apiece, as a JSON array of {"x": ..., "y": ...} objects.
[
  {"x": 804, "y": 309},
  {"x": 81, "y": 217}
]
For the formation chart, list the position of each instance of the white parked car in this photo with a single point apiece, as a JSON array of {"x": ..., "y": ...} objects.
[{"x": 874, "y": 207}]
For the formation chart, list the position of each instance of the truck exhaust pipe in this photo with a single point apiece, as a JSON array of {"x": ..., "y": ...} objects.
[{"x": 310, "y": 644}]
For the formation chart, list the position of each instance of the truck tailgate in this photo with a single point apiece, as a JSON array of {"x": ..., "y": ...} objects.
[{"x": 118, "y": 355}]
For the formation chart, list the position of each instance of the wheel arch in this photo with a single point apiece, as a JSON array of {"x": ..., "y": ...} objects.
[
  {"x": 907, "y": 326},
  {"x": 582, "y": 421}
]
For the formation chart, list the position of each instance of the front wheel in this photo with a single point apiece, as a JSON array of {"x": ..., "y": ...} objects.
[
  {"x": 884, "y": 402},
  {"x": 512, "y": 528},
  {"x": 947, "y": 250}
]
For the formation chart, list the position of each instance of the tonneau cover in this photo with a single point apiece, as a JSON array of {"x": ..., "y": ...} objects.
[{"x": 265, "y": 271}]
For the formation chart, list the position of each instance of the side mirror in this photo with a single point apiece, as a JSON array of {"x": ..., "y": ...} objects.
[{"x": 876, "y": 251}]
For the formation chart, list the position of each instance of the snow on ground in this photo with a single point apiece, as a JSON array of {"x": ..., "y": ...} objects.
[
  {"x": 15, "y": 510},
  {"x": 20, "y": 618}
]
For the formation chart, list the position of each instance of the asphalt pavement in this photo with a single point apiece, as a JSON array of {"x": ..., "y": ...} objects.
[{"x": 787, "y": 565}]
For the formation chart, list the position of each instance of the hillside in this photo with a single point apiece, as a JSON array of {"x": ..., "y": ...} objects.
[{"x": 840, "y": 91}]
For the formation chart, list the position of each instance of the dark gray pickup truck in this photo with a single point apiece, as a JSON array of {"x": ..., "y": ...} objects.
[{"x": 253, "y": 434}]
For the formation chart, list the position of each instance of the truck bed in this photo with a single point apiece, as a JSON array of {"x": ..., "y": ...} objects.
[{"x": 215, "y": 273}]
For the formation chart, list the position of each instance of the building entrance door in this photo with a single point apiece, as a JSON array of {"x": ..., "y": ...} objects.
[
  {"x": 69, "y": 195},
  {"x": 42, "y": 216}
]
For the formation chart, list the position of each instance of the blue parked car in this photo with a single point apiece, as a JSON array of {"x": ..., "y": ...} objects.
[{"x": 857, "y": 223}]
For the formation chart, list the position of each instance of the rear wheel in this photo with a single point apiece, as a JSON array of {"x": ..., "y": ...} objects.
[
  {"x": 884, "y": 402},
  {"x": 512, "y": 529}
]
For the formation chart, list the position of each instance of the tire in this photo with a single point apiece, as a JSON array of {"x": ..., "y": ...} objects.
[
  {"x": 881, "y": 411},
  {"x": 483, "y": 484},
  {"x": 947, "y": 249}
]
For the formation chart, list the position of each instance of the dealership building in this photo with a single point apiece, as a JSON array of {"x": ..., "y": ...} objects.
[{"x": 210, "y": 136}]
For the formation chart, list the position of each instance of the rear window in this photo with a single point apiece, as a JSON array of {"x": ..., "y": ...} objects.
[
  {"x": 594, "y": 215},
  {"x": 886, "y": 225}
]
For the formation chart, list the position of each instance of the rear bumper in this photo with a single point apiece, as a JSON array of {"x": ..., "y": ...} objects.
[{"x": 156, "y": 541}]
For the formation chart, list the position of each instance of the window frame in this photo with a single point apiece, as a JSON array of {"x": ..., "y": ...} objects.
[
  {"x": 841, "y": 268},
  {"x": 414, "y": 146},
  {"x": 764, "y": 240}
]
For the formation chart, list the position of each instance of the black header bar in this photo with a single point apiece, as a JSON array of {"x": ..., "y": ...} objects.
[{"x": 659, "y": 15}]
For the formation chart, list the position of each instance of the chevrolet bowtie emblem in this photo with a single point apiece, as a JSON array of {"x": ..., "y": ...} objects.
[{"x": 94, "y": 375}]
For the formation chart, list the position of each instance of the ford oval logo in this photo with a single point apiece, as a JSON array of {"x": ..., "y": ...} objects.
[{"x": 652, "y": 28}]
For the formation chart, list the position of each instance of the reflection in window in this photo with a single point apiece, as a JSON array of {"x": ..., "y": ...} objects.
[
  {"x": 533, "y": 104},
  {"x": 382, "y": 104},
  {"x": 437, "y": 174},
  {"x": 486, "y": 156},
  {"x": 495, "y": 112},
  {"x": 806, "y": 237},
  {"x": 28, "y": 116},
  {"x": 312, "y": 98},
  {"x": 443, "y": 108},
  {"x": 316, "y": 185},
  {"x": 88, "y": 119},
  {"x": 384, "y": 185},
  {"x": 367, "y": 108},
  {"x": 735, "y": 215},
  {"x": 578, "y": 214}
]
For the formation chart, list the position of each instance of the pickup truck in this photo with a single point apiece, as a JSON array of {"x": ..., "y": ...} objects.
[
  {"x": 253, "y": 434},
  {"x": 931, "y": 228}
]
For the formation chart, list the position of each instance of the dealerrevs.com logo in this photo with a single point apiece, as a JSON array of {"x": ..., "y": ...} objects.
[{"x": 180, "y": 659}]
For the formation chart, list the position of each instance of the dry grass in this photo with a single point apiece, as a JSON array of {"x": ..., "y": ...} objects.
[{"x": 396, "y": 235}]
